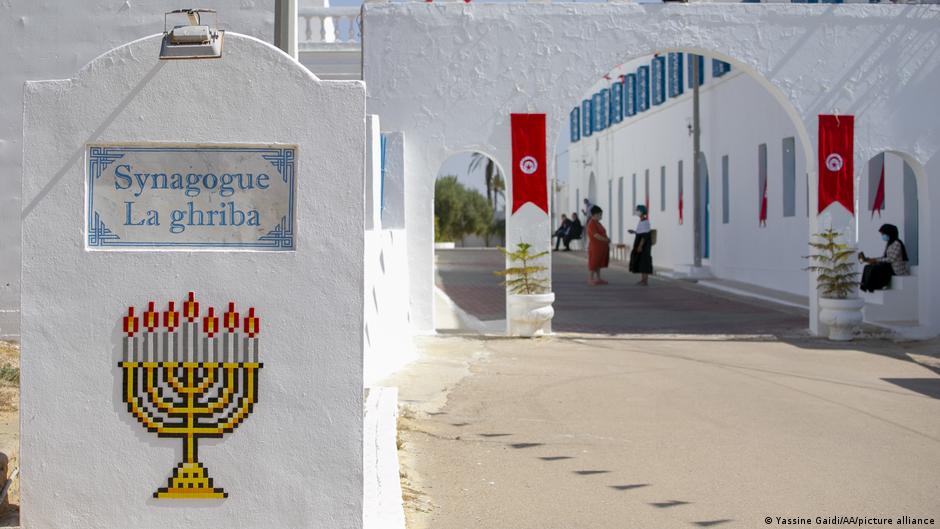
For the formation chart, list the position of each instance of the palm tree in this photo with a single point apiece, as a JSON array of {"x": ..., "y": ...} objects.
[
  {"x": 499, "y": 190},
  {"x": 491, "y": 173}
]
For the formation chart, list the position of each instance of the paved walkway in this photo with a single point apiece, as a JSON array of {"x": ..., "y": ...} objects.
[
  {"x": 657, "y": 433},
  {"x": 622, "y": 307}
]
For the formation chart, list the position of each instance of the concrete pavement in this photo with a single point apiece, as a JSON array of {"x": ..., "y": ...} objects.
[
  {"x": 686, "y": 407},
  {"x": 665, "y": 307},
  {"x": 655, "y": 433}
]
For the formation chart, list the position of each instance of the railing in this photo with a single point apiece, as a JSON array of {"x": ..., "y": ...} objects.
[{"x": 329, "y": 28}]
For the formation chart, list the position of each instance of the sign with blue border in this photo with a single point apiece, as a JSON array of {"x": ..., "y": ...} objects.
[{"x": 190, "y": 196}]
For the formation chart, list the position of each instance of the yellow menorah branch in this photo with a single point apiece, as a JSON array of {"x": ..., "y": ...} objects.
[{"x": 189, "y": 400}]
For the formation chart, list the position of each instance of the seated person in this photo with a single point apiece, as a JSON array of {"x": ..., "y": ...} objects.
[
  {"x": 878, "y": 271},
  {"x": 574, "y": 231},
  {"x": 561, "y": 231}
]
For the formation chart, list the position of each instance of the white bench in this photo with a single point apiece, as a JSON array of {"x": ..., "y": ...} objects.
[{"x": 896, "y": 303}]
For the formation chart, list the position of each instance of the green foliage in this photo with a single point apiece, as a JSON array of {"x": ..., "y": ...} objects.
[
  {"x": 834, "y": 264},
  {"x": 459, "y": 211},
  {"x": 9, "y": 376},
  {"x": 526, "y": 278}
]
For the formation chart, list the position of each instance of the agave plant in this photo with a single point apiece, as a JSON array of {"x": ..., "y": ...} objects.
[
  {"x": 525, "y": 278},
  {"x": 834, "y": 264}
]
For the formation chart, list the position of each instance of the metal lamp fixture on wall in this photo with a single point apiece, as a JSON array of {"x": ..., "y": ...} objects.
[{"x": 191, "y": 41}]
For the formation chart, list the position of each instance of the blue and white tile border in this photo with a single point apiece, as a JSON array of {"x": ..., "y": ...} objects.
[{"x": 279, "y": 238}]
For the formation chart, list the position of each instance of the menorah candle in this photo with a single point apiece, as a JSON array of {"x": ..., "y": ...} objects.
[
  {"x": 230, "y": 320},
  {"x": 170, "y": 323},
  {"x": 151, "y": 322},
  {"x": 252, "y": 326},
  {"x": 130, "y": 329},
  {"x": 191, "y": 330}
]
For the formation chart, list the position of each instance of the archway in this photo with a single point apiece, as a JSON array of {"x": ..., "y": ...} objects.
[
  {"x": 470, "y": 221},
  {"x": 892, "y": 189},
  {"x": 742, "y": 163}
]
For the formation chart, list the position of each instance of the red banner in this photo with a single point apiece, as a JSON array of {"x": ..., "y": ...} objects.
[
  {"x": 762, "y": 218},
  {"x": 836, "y": 149},
  {"x": 879, "y": 203},
  {"x": 529, "y": 176},
  {"x": 681, "y": 203}
]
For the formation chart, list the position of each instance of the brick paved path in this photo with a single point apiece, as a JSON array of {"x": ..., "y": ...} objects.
[{"x": 666, "y": 306}]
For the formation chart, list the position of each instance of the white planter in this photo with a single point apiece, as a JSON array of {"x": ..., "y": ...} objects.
[
  {"x": 841, "y": 316},
  {"x": 445, "y": 245},
  {"x": 530, "y": 314}
]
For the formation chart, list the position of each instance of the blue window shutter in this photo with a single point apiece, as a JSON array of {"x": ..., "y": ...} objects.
[
  {"x": 701, "y": 69},
  {"x": 587, "y": 124},
  {"x": 595, "y": 112},
  {"x": 720, "y": 68},
  {"x": 658, "y": 82},
  {"x": 603, "y": 108},
  {"x": 676, "y": 74},
  {"x": 642, "y": 88},
  {"x": 616, "y": 102},
  {"x": 575, "y": 124},
  {"x": 629, "y": 95}
]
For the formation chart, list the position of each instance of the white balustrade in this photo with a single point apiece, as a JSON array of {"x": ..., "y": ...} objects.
[{"x": 329, "y": 28}]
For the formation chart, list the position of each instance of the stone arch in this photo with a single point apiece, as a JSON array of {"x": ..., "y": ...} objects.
[{"x": 925, "y": 262}]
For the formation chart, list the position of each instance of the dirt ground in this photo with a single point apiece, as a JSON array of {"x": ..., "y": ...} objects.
[{"x": 9, "y": 430}]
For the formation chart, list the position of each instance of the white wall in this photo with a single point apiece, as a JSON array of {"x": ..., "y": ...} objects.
[
  {"x": 52, "y": 40},
  {"x": 296, "y": 461},
  {"x": 737, "y": 114},
  {"x": 878, "y": 62},
  {"x": 387, "y": 344},
  {"x": 387, "y": 332}
]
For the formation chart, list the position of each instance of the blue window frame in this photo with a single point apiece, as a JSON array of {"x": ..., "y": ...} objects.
[
  {"x": 629, "y": 95},
  {"x": 676, "y": 74},
  {"x": 575, "y": 119},
  {"x": 701, "y": 69},
  {"x": 658, "y": 81},
  {"x": 603, "y": 107},
  {"x": 720, "y": 68},
  {"x": 616, "y": 103},
  {"x": 383, "y": 143},
  {"x": 642, "y": 88},
  {"x": 587, "y": 118},
  {"x": 597, "y": 112}
]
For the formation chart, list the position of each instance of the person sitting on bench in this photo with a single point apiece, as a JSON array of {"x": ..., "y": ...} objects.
[
  {"x": 561, "y": 231},
  {"x": 574, "y": 231},
  {"x": 878, "y": 271}
]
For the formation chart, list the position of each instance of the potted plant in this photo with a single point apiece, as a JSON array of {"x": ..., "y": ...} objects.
[
  {"x": 833, "y": 262},
  {"x": 530, "y": 302}
]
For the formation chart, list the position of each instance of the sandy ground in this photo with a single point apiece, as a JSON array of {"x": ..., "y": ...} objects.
[{"x": 662, "y": 432}]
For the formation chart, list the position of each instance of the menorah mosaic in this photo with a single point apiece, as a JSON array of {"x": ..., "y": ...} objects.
[{"x": 190, "y": 378}]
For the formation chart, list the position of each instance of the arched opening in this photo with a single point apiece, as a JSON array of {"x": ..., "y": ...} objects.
[
  {"x": 469, "y": 224},
  {"x": 891, "y": 190},
  {"x": 734, "y": 215}
]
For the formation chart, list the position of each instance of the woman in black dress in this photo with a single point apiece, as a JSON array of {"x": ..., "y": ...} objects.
[
  {"x": 641, "y": 256},
  {"x": 878, "y": 271}
]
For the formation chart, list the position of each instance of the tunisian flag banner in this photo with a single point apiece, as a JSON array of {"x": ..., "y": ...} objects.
[
  {"x": 836, "y": 149},
  {"x": 529, "y": 180}
]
